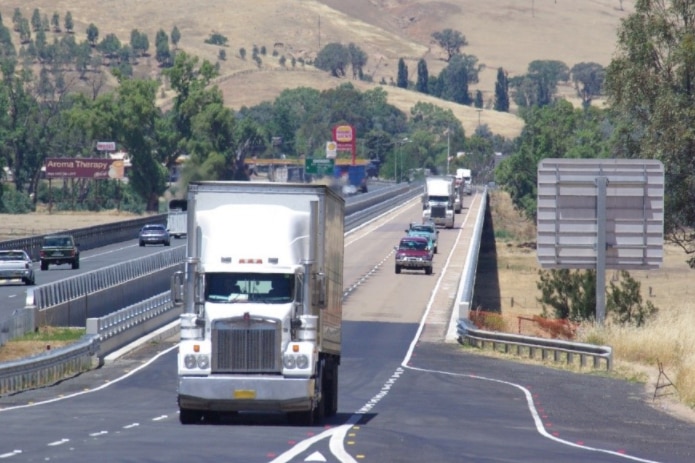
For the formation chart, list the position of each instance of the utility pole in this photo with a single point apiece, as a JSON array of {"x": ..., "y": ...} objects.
[{"x": 448, "y": 148}]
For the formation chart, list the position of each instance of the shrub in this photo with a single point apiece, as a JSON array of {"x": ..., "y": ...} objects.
[{"x": 488, "y": 320}]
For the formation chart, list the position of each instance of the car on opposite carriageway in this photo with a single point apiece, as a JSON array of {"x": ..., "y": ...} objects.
[
  {"x": 154, "y": 234},
  {"x": 58, "y": 250},
  {"x": 15, "y": 264}
]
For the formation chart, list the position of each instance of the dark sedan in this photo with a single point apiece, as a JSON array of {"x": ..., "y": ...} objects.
[{"x": 154, "y": 234}]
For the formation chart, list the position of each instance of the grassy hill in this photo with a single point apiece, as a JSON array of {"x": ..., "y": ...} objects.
[{"x": 500, "y": 33}]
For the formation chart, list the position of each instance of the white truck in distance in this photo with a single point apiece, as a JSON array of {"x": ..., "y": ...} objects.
[
  {"x": 438, "y": 201},
  {"x": 176, "y": 218},
  {"x": 262, "y": 296},
  {"x": 465, "y": 178}
]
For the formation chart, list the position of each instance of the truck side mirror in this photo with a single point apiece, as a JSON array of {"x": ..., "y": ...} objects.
[{"x": 177, "y": 288}]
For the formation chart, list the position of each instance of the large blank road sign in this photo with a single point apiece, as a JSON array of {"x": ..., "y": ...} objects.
[{"x": 584, "y": 204}]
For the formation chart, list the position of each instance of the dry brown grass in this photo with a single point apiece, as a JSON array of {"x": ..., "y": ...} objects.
[
  {"x": 14, "y": 226},
  {"x": 500, "y": 33}
]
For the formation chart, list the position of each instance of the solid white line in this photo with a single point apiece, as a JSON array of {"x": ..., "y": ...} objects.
[{"x": 98, "y": 388}]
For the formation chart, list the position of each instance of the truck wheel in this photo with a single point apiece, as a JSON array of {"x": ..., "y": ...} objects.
[
  {"x": 75, "y": 264},
  {"x": 44, "y": 265},
  {"x": 330, "y": 390},
  {"x": 187, "y": 416},
  {"x": 435, "y": 249},
  {"x": 398, "y": 269},
  {"x": 428, "y": 271}
]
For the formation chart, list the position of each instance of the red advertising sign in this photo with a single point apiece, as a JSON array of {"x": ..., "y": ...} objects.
[
  {"x": 84, "y": 168},
  {"x": 344, "y": 136}
]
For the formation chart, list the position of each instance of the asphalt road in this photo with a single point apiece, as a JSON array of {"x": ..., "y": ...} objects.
[{"x": 401, "y": 399}]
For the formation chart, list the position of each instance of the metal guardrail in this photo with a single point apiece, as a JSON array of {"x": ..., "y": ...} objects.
[
  {"x": 50, "y": 367},
  {"x": 62, "y": 291},
  {"x": 549, "y": 349}
]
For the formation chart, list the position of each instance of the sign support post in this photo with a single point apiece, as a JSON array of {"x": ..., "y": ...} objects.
[{"x": 601, "y": 183}]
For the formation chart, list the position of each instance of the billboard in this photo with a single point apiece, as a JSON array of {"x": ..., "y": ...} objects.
[{"x": 93, "y": 168}]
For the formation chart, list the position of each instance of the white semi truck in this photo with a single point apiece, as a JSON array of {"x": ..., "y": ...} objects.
[
  {"x": 438, "y": 201},
  {"x": 464, "y": 177},
  {"x": 262, "y": 296}
]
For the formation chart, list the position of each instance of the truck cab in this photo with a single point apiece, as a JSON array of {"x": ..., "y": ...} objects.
[{"x": 439, "y": 200}]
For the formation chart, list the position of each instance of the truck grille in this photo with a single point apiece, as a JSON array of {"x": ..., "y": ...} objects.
[
  {"x": 438, "y": 212},
  {"x": 250, "y": 345}
]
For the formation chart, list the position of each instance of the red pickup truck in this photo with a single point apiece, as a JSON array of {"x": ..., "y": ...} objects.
[{"x": 414, "y": 253}]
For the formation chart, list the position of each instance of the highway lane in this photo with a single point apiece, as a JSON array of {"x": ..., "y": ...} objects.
[{"x": 399, "y": 400}]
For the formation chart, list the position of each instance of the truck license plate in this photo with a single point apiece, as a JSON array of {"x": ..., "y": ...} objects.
[{"x": 244, "y": 394}]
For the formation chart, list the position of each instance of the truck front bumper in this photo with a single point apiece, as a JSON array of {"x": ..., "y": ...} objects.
[{"x": 245, "y": 393}]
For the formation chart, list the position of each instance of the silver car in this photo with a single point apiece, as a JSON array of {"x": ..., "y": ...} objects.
[{"x": 16, "y": 264}]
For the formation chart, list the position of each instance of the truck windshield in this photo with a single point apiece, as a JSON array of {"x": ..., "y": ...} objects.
[
  {"x": 272, "y": 288},
  {"x": 439, "y": 199}
]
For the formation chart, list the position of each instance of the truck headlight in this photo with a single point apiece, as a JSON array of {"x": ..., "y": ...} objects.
[
  {"x": 192, "y": 361},
  {"x": 302, "y": 362},
  {"x": 298, "y": 360},
  {"x": 289, "y": 362}
]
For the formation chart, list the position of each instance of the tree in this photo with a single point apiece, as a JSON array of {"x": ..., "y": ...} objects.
[
  {"x": 402, "y": 79},
  {"x": 570, "y": 294},
  {"x": 92, "y": 34},
  {"x": 624, "y": 302},
  {"x": 24, "y": 31},
  {"x": 17, "y": 19},
  {"x": 453, "y": 81},
  {"x": 139, "y": 42},
  {"x": 358, "y": 60},
  {"x": 555, "y": 131},
  {"x": 163, "y": 54},
  {"x": 451, "y": 41},
  {"x": 134, "y": 115},
  {"x": 650, "y": 85},
  {"x": 422, "y": 77},
  {"x": 501, "y": 91},
  {"x": 175, "y": 36},
  {"x": 36, "y": 20},
  {"x": 588, "y": 80},
  {"x": 69, "y": 23},
  {"x": 109, "y": 46},
  {"x": 242, "y": 53},
  {"x": 55, "y": 22},
  {"x": 539, "y": 85},
  {"x": 333, "y": 58}
]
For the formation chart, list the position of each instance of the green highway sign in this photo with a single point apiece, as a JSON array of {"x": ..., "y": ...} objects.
[{"x": 319, "y": 166}]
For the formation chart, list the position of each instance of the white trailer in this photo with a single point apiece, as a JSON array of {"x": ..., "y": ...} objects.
[
  {"x": 177, "y": 218},
  {"x": 262, "y": 296},
  {"x": 438, "y": 201},
  {"x": 465, "y": 177}
]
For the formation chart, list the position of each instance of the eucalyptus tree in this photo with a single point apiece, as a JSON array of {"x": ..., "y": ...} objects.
[
  {"x": 451, "y": 41},
  {"x": 334, "y": 58},
  {"x": 650, "y": 84},
  {"x": 358, "y": 60},
  {"x": 588, "y": 80}
]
